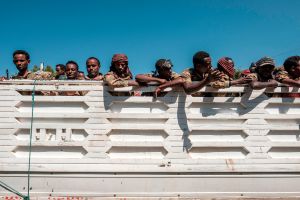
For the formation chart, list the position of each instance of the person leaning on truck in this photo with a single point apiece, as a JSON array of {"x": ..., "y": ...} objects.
[
  {"x": 226, "y": 69},
  {"x": 290, "y": 73},
  {"x": 200, "y": 75},
  {"x": 264, "y": 74},
  {"x": 93, "y": 68},
  {"x": 119, "y": 74},
  {"x": 163, "y": 76}
]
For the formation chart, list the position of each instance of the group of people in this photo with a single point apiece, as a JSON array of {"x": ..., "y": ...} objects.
[{"x": 260, "y": 74}]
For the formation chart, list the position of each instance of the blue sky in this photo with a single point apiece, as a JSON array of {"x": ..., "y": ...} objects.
[{"x": 55, "y": 31}]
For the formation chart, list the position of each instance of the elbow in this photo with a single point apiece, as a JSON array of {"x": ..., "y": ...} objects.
[{"x": 139, "y": 78}]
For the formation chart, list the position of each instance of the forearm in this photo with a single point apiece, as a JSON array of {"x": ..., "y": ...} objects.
[
  {"x": 132, "y": 83},
  {"x": 257, "y": 85},
  {"x": 190, "y": 88},
  {"x": 178, "y": 81},
  {"x": 146, "y": 79},
  {"x": 291, "y": 82}
]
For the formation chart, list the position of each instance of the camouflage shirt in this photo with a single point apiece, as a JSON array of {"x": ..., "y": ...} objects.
[
  {"x": 112, "y": 79},
  {"x": 35, "y": 76},
  {"x": 40, "y": 76},
  {"x": 100, "y": 77},
  {"x": 281, "y": 74},
  {"x": 223, "y": 82},
  {"x": 25, "y": 76},
  {"x": 191, "y": 75}
]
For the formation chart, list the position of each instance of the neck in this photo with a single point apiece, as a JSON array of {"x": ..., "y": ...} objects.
[{"x": 23, "y": 72}]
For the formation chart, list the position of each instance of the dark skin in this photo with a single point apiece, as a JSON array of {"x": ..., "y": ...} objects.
[
  {"x": 122, "y": 69},
  {"x": 71, "y": 71},
  {"x": 202, "y": 68},
  {"x": 21, "y": 63},
  {"x": 92, "y": 67},
  {"x": 59, "y": 70},
  {"x": 295, "y": 73},
  {"x": 164, "y": 75},
  {"x": 265, "y": 74},
  {"x": 242, "y": 80}
]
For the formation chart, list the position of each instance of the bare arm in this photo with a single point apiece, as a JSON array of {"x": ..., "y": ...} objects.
[
  {"x": 193, "y": 87},
  {"x": 177, "y": 81},
  {"x": 190, "y": 88},
  {"x": 257, "y": 85},
  {"x": 291, "y": 82},
  {"x": 133, "y": 83},
  {"x": 146, "y": 79},
  {"x": 240, "y": 81}
]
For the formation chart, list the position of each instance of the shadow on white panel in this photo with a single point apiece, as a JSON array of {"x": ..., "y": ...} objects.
[
  {"x": 217, "y": 136},
  {"x": 130, "y": 107},
  {"x": 212, "y": 109}
]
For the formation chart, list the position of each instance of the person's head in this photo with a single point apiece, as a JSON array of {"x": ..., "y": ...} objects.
[
  {"x": 21, "y": 59},
  {"x": 202, "y": 62},
  {"x": 80, "y": 75},
  {"x": 292, "y": 66},
  {"x": 119, "y": 64},
  {"x": 93, "y": 67},
  {"x": 60, "y": 69},
  {"x": 226, "y": 65},
  {"x": 244, "y": 73},
  {"x": 164, "y": 68},
  {"x": 265, "y": 66},
  {"x": 252, "y": 67},
  {"x": 71, "y": 69}
]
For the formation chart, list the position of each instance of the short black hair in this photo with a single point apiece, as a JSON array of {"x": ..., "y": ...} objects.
[
  {"x": 22, "y": 52},
  {"x": 291, "y": 62},
  {"x": 62, "y": 66},
  {"x": 199, "y": 57},
  {"x": 93, "y": 58},
  {"x": 72, "y": 62}
]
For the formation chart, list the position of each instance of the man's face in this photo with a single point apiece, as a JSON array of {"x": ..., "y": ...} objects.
[
  {"x": 295, "y": 70},
  {"x": 121, "y": 67},
  {"x": 21, "y": 62},
  {"x": 92, "y": 67},
  {"x": 71, "y": 71},
  {"x": 204, "y": 67},
  {"x": 165, "y": 72},
  {"x": 266, "y": 71},
  {"x": 59, "y": 70}
]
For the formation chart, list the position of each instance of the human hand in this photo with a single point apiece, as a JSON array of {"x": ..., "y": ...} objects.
[
  {"x": 162, "y": 81},
  {"x": 244, "y": 80},
  {"x": 214, "y": 76},
  {"x": 157, "y": 91}
]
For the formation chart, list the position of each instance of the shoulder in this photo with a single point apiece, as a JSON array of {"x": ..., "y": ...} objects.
[
  {"x": 280, "y": 74},
  {"x": 187, "y": 71},
  {"x": 175, "y": 75}
]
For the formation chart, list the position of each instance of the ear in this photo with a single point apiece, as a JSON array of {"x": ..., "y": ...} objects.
[{"x": 28, "y": 61}]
